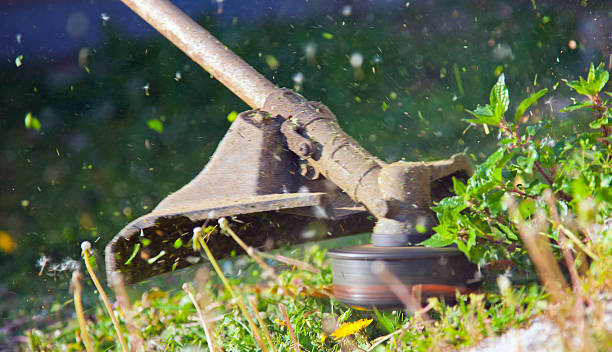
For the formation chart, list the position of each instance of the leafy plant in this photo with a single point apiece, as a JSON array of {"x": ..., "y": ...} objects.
[{"x": 528, "y": 161}]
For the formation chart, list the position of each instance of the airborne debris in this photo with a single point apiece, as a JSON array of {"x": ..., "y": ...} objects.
[
  {"x": 272, "y": 62},
  {"x": 327, "y": 35},
  {"x": 356, "y": 60},
  {"x": 347, "y": 10},
  {"x": 32, "y": 122},
  {"x": 231, "y": 117},
  {"x": 156, "y": 125},
  {"x": 298, "y": 79},
  {"x": 105, "y": 18},
  {"x": 310, "y": 50}
]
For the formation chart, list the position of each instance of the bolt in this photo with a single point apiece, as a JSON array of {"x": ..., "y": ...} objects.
[{"x": 304, "y": 149}]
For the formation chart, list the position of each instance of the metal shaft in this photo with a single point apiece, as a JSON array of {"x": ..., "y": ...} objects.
[{"x": 204, "y": 49}]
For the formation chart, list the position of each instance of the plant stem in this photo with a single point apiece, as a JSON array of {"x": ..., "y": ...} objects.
[
  {"x": 567, "y": 255},
  {"x": 289, "y": 261},
  {"x": 601, "y": 109},
  {"x": 578, "y": 243},
  {"x": 541, "y": 254},
  {"x": 263, "y": 325},
  {"x": 121, "y": 295},
  {"x": 550, "y": 181},
  {"x": 252, "y": 252},
  {"x": 296, "y": 345},
  {"x": 229, "y": 288},
  {"x": 75, "y": 285},
  {"x": 207, "y": 332},
  {"x": 514, "y": 134},
  {"x": 520, "y": 193},
  {"x": 107, "y": 304}
]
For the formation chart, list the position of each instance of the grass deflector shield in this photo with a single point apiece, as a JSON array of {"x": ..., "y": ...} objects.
[{"x": 289, "y": 174}]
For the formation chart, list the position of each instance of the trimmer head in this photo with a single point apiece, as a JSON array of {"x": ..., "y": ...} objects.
[{"x": 368, "y": 276}]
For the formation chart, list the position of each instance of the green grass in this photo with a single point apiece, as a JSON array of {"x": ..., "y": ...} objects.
[{"x": 167, "y": 320}]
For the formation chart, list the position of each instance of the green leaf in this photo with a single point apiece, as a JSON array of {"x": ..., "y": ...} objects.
[
  {"x": 577, "y": 106},
  {"x": 345, "y": 316},
  {"x": 134, "y": 252},
  {"x": 178, "y": 243},
  {"x": 596, "y": 81},
  {"x": 532, "y": 156},
  {"x": 463, "y": 248},
  {"x": 525, "y": 104},
  {"x": 591, "y": 75},
  {"x": 527, "y": 208},
  {"x": 484, "y": 115},
  {"x": 598, "y": 77},
  {"x": 32, "y": 122},
  {"x": 499, "y": 97},
  {"x": 498, "y": 159},
  {"x": 459, "y": 187},
  {"x": 509, "y": 233},
  {"x": 602, "y": 121},
  {"x": 155, "y": 125},
  {"x": 436, "y": 240},
  {"x": 455, "y": 203},
  {"x": 327, "y": 35},
  {"x": 384, "y": 321},
  {"x": 495, "y": 202}
]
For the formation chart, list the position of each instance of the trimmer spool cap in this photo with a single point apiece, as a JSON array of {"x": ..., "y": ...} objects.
[{"x": 426, "y": 272}]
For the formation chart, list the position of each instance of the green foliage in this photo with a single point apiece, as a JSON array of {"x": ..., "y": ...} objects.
[
  {"x": 499, "y": 101},
  {"x": 525, "y": 104},
  {"x": 595, "y": 82},
  {"x": 529, "y": 160},
  {"x": 168, "y": 320}
]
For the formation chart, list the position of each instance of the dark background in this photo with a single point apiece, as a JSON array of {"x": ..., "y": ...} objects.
[{"x": 95, "y": 164}]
